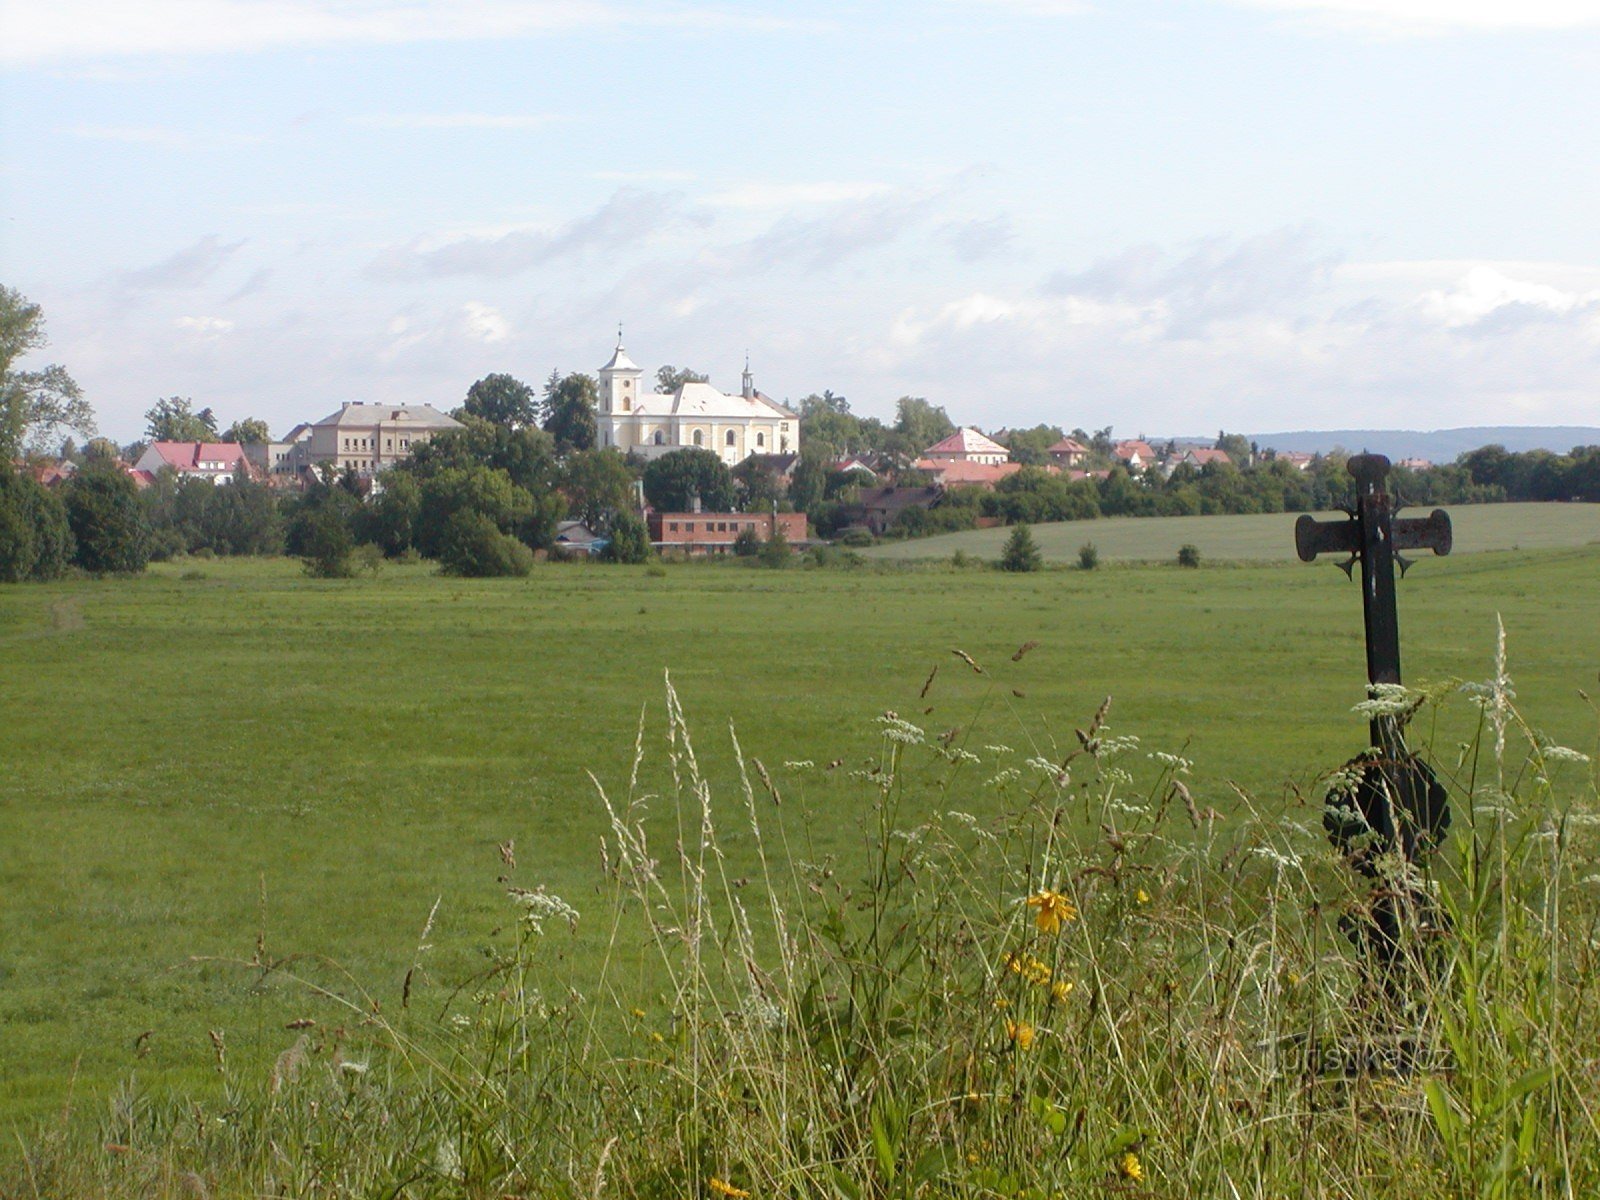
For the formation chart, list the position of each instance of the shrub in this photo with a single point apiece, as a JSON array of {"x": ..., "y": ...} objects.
[
  {"x": 748, "y": 543},
  {"x": 856, "y": 536},
  {"x": 1021, "y": 552},
  {"x": 472, "y": 545},
  {"x": 630, "y": 540},
  {"x": 775, "y": 551},
  {"x": 1188, "y": 555},
  {"x": 1088, "y": 557}
]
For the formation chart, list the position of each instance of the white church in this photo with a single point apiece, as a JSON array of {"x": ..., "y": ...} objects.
[{"x": 696, "y": 415}]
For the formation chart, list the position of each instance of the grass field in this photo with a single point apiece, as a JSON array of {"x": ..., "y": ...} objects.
[
  {"x": 223, "y": 749},
  {"x": 1257, "y": 538}
]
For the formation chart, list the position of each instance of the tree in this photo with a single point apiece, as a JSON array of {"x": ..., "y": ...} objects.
[
  {"x": 808, "y": 483},
  {"x": 241, "y": 517},
  {"x": 107, "y": 520},
  {"x": 1021, "y": 553},
  {"x": 597, "y": 484},
  {"x": 35, "y": 538},
  {"x": 528, "y": 456},
  {"x": 673, "y": 481},
  {"x": 37, "y": 408},
  {"x": 920, "y": 424},
  {"x": 389, "y": 521},
  {"x": 325, "y": 543},
  {"x": 101, "y": 450},
  {"x": 570, "y": 414},
  {"x": 669, "y": 378},
  {"x": 630, "y": 540},
  {"x": 502, "y": 400},
  {"x": 174, "y": 420},
  {"x": 1237, "y": 447},
  {"x": 249, "y": 431}
]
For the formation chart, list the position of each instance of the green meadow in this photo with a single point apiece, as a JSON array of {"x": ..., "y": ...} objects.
[
  {"x": 225, "y": 761},
  {"x": 1257, "y": 537}
]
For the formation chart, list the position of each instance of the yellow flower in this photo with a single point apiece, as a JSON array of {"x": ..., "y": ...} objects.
[
  {"x": 1142, "y": 896},
  {"x": 727, "y": 1189},
  {"x": 1029, "y": 967},
  {"x": 1130, "y": 1167},
  {"x": 1060, "y": 990},
  {"x": 1054, "y": 908},
  {"x": 639, "y": 1013},
  {"x": 1021, "y": 1033}
]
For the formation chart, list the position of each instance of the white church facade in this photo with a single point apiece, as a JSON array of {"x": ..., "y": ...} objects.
[{"x": 697, "y": 415}]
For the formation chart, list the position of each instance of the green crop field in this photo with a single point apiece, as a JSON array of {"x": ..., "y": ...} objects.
[
  {"x": 225, "y": 750},
  {"x": 1257, "y": 538}
]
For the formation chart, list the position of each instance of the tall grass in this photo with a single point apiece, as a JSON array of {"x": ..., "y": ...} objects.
[{"x": 1059, "y": 976}]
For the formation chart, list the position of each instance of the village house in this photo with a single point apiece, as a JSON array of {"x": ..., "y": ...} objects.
[
  {"x": 1201, "y": 456},
  {"x": 695, "y": 416},
  {"x": 1134, "y": 454},
  {"x": 965, "y": 445},
  {"x": 214, "y": 462},
  {"x": 877, "y": 508},
  {"x": 702, "y": 533},
  {"x": 1068, "y": 452}
]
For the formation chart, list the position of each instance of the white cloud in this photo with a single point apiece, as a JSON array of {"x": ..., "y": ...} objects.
[
  {"x": 68, "y": 30},
  {"x": 485, "y": 323},
  {"x": 207, "y": 327},
  {"x": 189, "y": 267},
  {"x": 158, "y": 135},
  {"x": 791, "y": 195},
  {"x": 1422, "y": 17},
  {"x": 455, "y": 120},
  {"x": 1486, "y": 290}
]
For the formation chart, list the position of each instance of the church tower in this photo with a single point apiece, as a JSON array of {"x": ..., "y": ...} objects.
[{"x": 619, "y": 382}]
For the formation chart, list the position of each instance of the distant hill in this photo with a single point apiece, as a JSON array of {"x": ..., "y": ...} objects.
[{"x": 1439, "y": 445}]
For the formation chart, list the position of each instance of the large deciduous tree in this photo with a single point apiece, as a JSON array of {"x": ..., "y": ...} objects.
[
  {"x": 35, "y": 539},
  {"x": 673, "y": 482},
  {"x": 921, "y": 424},
  {"x": 249, "y": 431},
  {"x": 503, "y": 400},
  {"x": 37, "y": 408},
  {"x": 108, "y": 522},
  {"x": 670, "y": 378},
  {"x": 570, "y": 413},
  {"x": 598, "y": 485},
  {"x": 174, "y": 420}
]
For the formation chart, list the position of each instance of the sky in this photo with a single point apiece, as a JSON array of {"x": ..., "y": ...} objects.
[{"x": 1167, "y": 216}]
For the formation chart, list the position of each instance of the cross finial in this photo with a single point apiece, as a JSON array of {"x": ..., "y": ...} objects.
[{"x": 619, "y": 334}]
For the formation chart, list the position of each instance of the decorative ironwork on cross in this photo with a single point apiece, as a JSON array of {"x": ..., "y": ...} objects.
[{"x": 1396, "y": 803}]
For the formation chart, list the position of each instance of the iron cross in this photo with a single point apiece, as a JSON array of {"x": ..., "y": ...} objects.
[{"x": 1396, "y": 804}]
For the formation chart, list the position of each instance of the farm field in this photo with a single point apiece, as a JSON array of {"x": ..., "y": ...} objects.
[
  {"x": 1265, "y": 537},
  {"x": 225, "y": 750}
]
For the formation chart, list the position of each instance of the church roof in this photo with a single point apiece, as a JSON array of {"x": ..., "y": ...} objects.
[
  {"x": 703, "y": 400},
  {"x": 620, "y": 361}
]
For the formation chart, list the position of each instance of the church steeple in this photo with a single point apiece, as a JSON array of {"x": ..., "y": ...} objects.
[
  {"x": 749, "y": 379},
  {"x": 619, "y": 380}
]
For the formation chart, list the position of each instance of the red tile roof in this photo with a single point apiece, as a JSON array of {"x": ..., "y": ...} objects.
[{"x": 187, "y": 456}]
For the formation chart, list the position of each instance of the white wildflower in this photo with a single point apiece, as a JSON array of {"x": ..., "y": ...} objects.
[
  {"x": 1179, "y": 765},
  {"x": 1388, "y": 700},
  {"x": 1109, "y": 746},
  {"x": 1554, "y": 753},
  {"x": 997, "y": 749},
  {"x": 956, "y": 755},
  {"x": 803, "y": 764},
  {"x": 1001, "y": 778},
  {"x": 539, "y": 906},
  {"x": 902, "y": 731},
  {"x": 351, "y": 1067},
  {"x": 1285, "y": 862}
]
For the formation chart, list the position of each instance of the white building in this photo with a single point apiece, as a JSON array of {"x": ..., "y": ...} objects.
[
  {"x": 696, "y": 415},
  {"x": 362, "y": 437}
]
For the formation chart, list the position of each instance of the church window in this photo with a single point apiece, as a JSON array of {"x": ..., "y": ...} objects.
[
  {"x": 660, "y": 439},
  {"x": 761, "y": 439},
  {"x": 699, "y": 438},
  {"x": 729, "y": 438}
]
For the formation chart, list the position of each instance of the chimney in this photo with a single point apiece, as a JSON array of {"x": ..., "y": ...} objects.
[{"x": 694, "y": 502}]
